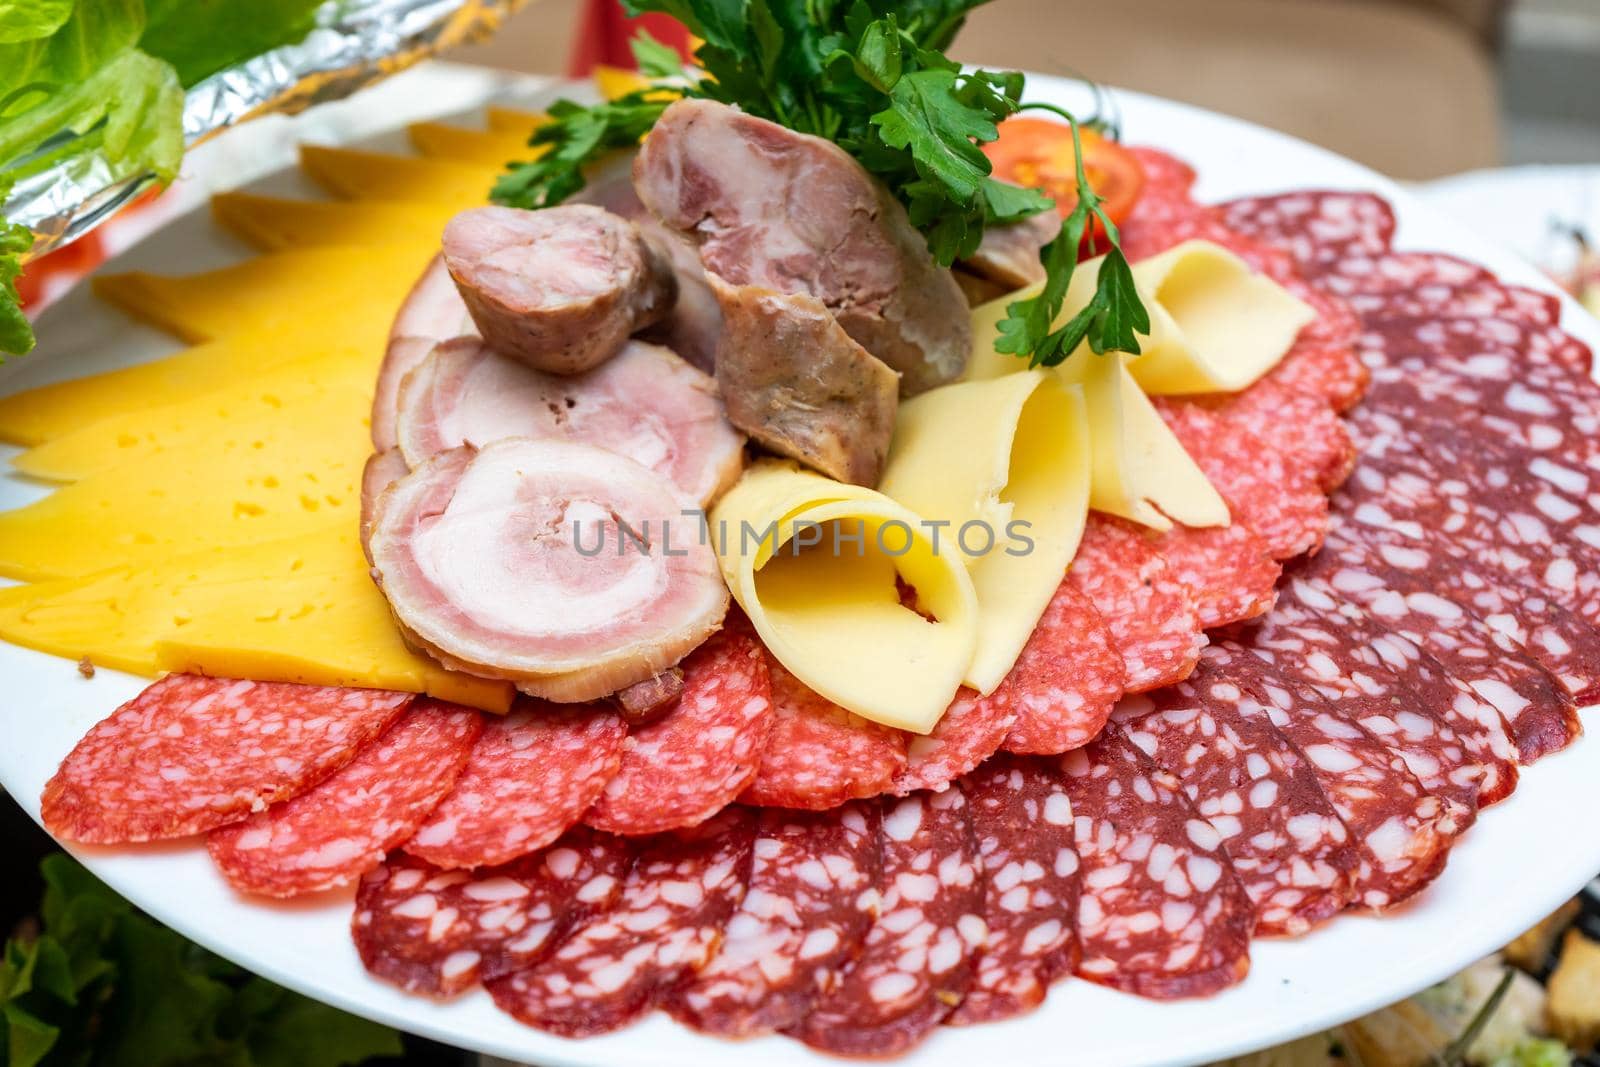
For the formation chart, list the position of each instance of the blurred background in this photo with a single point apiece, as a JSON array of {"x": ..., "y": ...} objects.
[{"x": 1418, "y": 89}]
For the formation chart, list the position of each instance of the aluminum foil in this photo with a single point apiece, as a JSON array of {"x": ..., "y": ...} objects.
[{"x": 355, "y": 43}]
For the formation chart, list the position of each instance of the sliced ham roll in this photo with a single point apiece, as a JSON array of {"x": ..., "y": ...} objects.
[
  {"x": 383, "y": 469},
  {"x": 646, "y": 404},
  {"x": 559, "y": 289},
  {"x": 433, "y": 311},
  {"x": 564, "y": 568},
  {"x": 795, "y": 381},
  {"x": 785, "y": 211}
]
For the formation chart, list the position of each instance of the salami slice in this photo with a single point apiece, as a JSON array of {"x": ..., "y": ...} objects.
[
  {"x": 916, "y": 958},
  {"x": 1258, "y": 792},
  {"x": 342, "y": 827},
  {"x": 615, "y": 968},
  {"x": 1311, "y": 439},
  {"x": 1022, "y": 821},
  {"x": 1262, "y": 483},
  {"x": 1163, "y": 914},
  {"x": 688, "y": 765},
  {"x": 529, "y": 778},
  {"x": 440, "y": 932},
  {"x": 1404, "y": 832},
  {"x": 1398, "y": 272},
  {"x": 1066, "y": 680},
  {"x": 1226, "y": 569},
  {"x": 813, "y": 894},
  {"x": 1474, "y": 300},
  {"x": 191, "y": 753},
  {"x": 1148, "y": 611},
  {"x": 818, "y": 755},
  {"x": 1401, "y": 587},
  {"x": 1332, "y": 373},
  {"x": 1317, "y": 228},
  {"x": 971, "y": 730}
]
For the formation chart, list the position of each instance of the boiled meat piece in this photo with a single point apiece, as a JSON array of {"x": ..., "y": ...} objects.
[
  {"x": 772, "y": 208},
  {"x": 560, "y": 289},
  {"x": 645, "y": 403},
  {"x": 795, "y": 382},
  {"x": 383, "y": 469},
  {"x": 1008, "y": 255},
  {"x": 433, "y": 311},
  {"x": 564, "y": 568}
]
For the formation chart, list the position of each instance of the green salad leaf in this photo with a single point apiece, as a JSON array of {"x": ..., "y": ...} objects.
[
  {"x": 28, "y": 20},
  {"x": 201, "y": 37}
]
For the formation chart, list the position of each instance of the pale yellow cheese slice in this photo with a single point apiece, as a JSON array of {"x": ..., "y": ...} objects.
[
  {"x": 1138, "y": 469},
  {"x": 357, "y": 174},
  {"x": 277, "y": 224},
  {"x": 455, "y": 144},
  {"x": 269, "y": 480},
  {"x": 1005, "y": 463},
  {"x": 297, "y": 610},
  {"x": 513, "y": 120},
  {"x": 813, "y": 562}
]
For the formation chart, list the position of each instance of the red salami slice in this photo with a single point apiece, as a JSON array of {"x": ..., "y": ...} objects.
[
  {"x": 1316, "y": 228},
  {"x": 916, "y": 959},
  {"x": 813, "y": 894},
  {"x": 1022, "y": 821},
  {"x": 1226, "y": 569},
  {"x": 1287, "y": 845},
  {"x": 1261, "y": 483},
  {"x": 615, "y": 968},
  {"x": 1336, "y": 324},
  {"x": 973, "y": 729},
  {"x": 1534, "y": 678},
  {"x": 1404, "y": 833},
  {"x": 340, "y": 828},
  {"x": 1312, "y": 440},
  {"x": 1148, "y": 611},
  {"x": 441, "y": 932},
  {"x": 1323, "y": 655},
  {"x": 1066, "y": 680},
  {"x": 530, "y": 777},
  {"x": 688, "y": 765},
  {"x": 1332, "y": 373},
  {"x": 1163, "y": 914},
  {"x": 1474, "y": 300},
  {"x": 818, "y": 755},
  {"x": 1398, "y": 272},
  {"x": 190, "y": 754}
]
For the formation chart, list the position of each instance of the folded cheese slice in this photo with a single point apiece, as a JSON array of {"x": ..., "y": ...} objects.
[
  {"x": 1004, "y": 464},
  {"x": 821, "y": 567},
  {"x": 1215, "y": 324}
]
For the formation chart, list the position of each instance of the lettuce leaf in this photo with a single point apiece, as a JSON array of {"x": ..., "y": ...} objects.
[
  {"x": 97, "y": 32},
  {"x": 201, "y": 37},
  {"x": 28, "y": 20}
]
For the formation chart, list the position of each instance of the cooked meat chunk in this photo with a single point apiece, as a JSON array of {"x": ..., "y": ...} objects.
[{"x": 1009, "y": 255}]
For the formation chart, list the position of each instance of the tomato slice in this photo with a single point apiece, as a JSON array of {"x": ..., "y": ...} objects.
[{"x": 1038, "y": 153}]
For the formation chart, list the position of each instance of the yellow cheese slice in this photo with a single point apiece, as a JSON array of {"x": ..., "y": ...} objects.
[
  {"x": 349, "y": 346},
  {"x": 265, "y": 481},
  {"x": 513, "y": 120},
  {"x": 1006, "y": 464},
  {"x": 1138, "y": 469},
  {"x": 813, "y": 562},
  {"x": 276, "y": 224},
  {"x": 317, "y": 395},
  {"x": 299, "y": 610},
  {"x": 480, "y": 148},
  {"x": 278, "y": 291},
  {"x": 356, "y": 174},
  {"x": 1215, "y": 325}
]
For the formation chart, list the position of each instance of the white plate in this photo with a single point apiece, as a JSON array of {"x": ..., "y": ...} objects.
[{"x": 1517, "y": 864}]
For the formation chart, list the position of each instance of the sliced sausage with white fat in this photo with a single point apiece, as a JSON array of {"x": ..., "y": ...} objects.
[
  {"x": 645, "y": 404},
  {"x": 785, "y": 211},
  {"x": 795, "y": 382},
  {"x": 562, "y": 567},
  {"x": 560, "y": 289},
  {"x": 433, "y": 311}
]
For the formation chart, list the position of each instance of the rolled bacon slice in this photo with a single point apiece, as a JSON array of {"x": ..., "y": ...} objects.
[
  {"x": 560, "y": 289},
  {"x": 773, "y": 208},
  {"x": 567, "y": 569},
  {"x": 433, "y": 311},
  {"x": 645, "y": 404}
]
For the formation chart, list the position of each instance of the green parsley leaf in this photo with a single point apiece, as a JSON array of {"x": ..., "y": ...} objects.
[
  {"x": 656, "y": 60},
  {"x": 578, "y": 136},
  {"x": 16, "y": 334},
  {"x": 926, "y": 119}
]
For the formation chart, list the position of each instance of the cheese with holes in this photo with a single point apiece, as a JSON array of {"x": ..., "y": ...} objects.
[
  {"x": 814, "y": 563},
  {"x": 297, "y": 610},
  {"x": 1004, "y": 465},
  {"x": 276, "y": 224}
]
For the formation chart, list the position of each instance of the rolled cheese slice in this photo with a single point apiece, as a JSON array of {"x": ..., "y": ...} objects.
[
  {"x": 818, "y": 566},
  {"x": 548, "y": 564},
  {"x": 1215, "y": 325},
  {"x": 1005, "y": 464},
  {"x": 644, "y": 403}
]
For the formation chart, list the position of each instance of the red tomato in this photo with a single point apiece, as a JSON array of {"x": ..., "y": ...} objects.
[{"x": 1038, "y": 153}]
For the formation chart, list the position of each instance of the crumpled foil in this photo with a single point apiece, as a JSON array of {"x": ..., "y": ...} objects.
[{"x": 355, "y": 43}]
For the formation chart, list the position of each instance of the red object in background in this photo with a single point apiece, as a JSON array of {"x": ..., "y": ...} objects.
[
  {"x": 604, "y": 33},
  {"x": 1038, "y": 153},
  {"x": 77, "y": 258}
]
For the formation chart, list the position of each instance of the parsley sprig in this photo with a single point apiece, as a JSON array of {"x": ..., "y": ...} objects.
[{"x": 872, "y": 76}]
